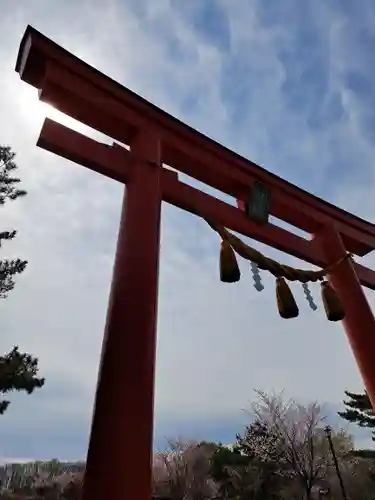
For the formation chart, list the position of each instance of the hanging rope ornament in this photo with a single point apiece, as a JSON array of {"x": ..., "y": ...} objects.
[
  {"x": 331, "y": 302},
  {"x": 229, "y": 270},
  {"x": 258, "y": 285},
  {"x": 286, "y": 303},
  {"x": 230, "y": 273},
  {"x": 309, "y": 297}
]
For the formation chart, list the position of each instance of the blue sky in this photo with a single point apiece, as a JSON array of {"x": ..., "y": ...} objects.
[{"x": 287, "y": 84}]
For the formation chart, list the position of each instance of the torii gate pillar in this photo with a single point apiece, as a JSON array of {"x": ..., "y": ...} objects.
[
  {"x": 124, "y": 413},
  {"x": 359, "y": 319}
]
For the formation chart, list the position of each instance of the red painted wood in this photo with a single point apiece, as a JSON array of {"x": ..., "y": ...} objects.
[
  {"x": 192, "y": 200},
  {"x": 116, "y": 162},
  {"x": 110, "y": 161},
  {"x": 100, "y": 111},
  {"x": 365, "y": 275},
  {"x": 119, "y": 459},
  {"x": 298, "y": 214},
  {"x": 359, "y": 321},
  {"x": 185, "y": 148}
]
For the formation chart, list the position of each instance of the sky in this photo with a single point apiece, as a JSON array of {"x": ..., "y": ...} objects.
[{"x": 286, "y": 84}]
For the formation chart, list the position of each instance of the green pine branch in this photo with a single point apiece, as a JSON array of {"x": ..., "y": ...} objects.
[
  {"x": 18, "y": 371},
  {"x": 358, "y": 410}
]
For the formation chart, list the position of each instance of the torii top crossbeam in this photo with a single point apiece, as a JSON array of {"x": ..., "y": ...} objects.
[
  {"x": 82, "y": 92},
  {"x": 119, "y": 457}
]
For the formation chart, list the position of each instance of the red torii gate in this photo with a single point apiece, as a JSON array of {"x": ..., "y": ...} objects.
[{"x": 120, "y": 451}]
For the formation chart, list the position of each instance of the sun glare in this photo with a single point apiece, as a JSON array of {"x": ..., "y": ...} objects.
[
  {"x": 48, "y": 111},
  {"x": 35, "y": 111}
]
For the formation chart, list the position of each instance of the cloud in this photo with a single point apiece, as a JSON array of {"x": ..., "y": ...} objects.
[{"x": 287, "y": 86}]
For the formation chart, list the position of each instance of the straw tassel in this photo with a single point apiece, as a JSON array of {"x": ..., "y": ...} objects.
[
  {"x": 229, "y": 270},
  {"x": 331, "y": 302},
  {"x": 285, "y": 301}
]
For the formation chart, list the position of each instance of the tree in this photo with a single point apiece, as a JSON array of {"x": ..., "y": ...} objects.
[
  {"x": 289, "y": 437},
  {"x": 9, "y": 191},
  {"x": 261, "y": 443},
  {"x": 357, "y": 474},
  {"x": 229, "y": 469},
  {"x": 359, "y": 410},
  {"x": 182, "y": 471},
  {"x": 18, "y": 371}
]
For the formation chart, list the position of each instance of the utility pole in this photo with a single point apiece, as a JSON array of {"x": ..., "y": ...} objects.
[{"x": 328, "y": 432}]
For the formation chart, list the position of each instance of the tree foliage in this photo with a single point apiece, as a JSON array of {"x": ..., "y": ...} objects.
[
  {"x": 182, "y": 471},
  {"x": 282, "y": 454},
  {"x": 230, "y": 469},
  {"x": 18, "y": 371},
  {"x": 290, "y": 440},
  {"x": 257, "y": 466},
  {"x": 9, "y": 190},
  {"x": 359, "y": 411}
]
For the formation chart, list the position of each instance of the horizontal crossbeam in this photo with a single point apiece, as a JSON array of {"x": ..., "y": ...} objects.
[
  {"x": 116, "y": 162},
  {"x": 94, "y": 99}
]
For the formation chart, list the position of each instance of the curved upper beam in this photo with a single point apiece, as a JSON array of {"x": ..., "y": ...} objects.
[{"x": 84, "y": 93}]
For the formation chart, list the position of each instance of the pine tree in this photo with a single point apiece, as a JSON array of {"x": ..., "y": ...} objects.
[
  {"x": 359, "y": 411},
  {"x": 9, "y": 191},
  {"x": 18, "y": 371}
]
